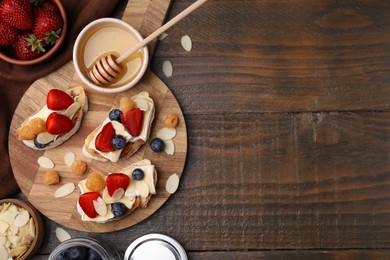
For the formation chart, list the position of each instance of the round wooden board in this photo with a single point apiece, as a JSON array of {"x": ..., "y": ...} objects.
[{"x": 29, "y": 175}]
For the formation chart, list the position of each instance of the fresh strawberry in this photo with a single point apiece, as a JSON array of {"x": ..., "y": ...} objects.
[
  {"x": 8, "y": 34},
  {"x": 47, "y": 6},
  {"x": 57, "y": 124},
  {"x": 46, "y": 22},
  {"x": 17, "y": 13},
  {"x": 28, "y": 47},
  {"x": 86, "y": 203},
  {"x": 116, "y": 181},
  {"x": 104, "y": 138},
  {"x": 58, "y": 100},
  {"x": 133, "y": 121}
]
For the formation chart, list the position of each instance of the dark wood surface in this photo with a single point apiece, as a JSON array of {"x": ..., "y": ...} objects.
[{"x": 287, "y": 105}]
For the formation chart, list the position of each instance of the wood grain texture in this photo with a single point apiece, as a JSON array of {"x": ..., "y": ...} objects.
[
  {"x": 280, "y": 56},
  {"x": 63, "y": 210},
  {"x": 287, "y": 111}
]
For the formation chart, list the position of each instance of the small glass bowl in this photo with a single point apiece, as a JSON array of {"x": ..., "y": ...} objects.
[{"x": 105, "y": 250}]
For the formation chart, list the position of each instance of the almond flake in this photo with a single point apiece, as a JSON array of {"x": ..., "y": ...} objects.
[
  {"x": 69, "y": 158},
  {"x": 22, "y": 218},
  {"x": 118, "y": 194},
  {"x": 18, "y": 251},
  {"x": 45, "y": 162},
  {"x": 172, "y": 183},
  {"x": 142, "y": 104},
  {"x": 100, "y": 206},
  {"x": 169, "y": 147},
  {"x": 65, "y": 190},
  {"x": 3, "y": 252},
  {"x": 119, "y": 128},
  {"x": 167, "y": 68},
  {"x": 166, "y": 133},
  {"x": 72, "y": 109},
  {"x": 162, "y": 36},
  {"x": 62, "y": 235},
  {"x": 142, "y": 188},
  {"x": 186, "y": 42},
  {"x": 45, "y": 138},
  {"x": 3, "y": 227}
]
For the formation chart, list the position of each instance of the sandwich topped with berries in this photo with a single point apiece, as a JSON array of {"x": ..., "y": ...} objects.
[
  {"x": 55, "y": 122},
  {"x": 124, "y": 130},
  {"x": 105, "y": 198}
]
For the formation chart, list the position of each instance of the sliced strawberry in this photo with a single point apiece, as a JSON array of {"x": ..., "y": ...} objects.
[
  {"x": 104, "y": 138},
  {"x": 86, "y": 203},
  {"x": 116, "y": 181},
  {"x": 58, "y": 100},
  {"x": 133, "y": 121},
  {"x": 57, "y": 124}
]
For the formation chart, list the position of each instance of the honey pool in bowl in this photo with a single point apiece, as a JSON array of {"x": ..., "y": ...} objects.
[{"x": 110, "y": 36}]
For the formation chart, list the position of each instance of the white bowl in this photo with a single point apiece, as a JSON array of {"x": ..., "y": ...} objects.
[{"x": 118, "y": 37}]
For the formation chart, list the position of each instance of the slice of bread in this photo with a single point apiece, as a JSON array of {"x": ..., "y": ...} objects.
[
  {"x": 130, "y": 148},
  {"x": 78, "y": 94},
  {"x": 135, "y": 202}
]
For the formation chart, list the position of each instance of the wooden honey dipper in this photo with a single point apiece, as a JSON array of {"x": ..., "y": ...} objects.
[{"x": 107, "y": 68}]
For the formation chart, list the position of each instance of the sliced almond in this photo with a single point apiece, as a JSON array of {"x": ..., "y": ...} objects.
[
  {"x": 22, "y": 218},
  {"x": 31, "y": 228},
  {"x": 3, "y": 252},
  {"x": 166, "y": 133},
  {"x": 45, "y": 162},
  {"x": 167, "y": 68},
  {"x": 142, "y": 104},
  {"x": 169, "y": 147},
  {"x": 72, "y": 109},
  {"x": 162, "y": 36},
  {"x": 65, "y": 190},
  {"x": 172, "y": 183},
  {"x": 186, "y": 42},
  {"x": 142, "y": 188},
  {"x": 17, "y": 251},
  {"x": 119, "y": 128},
  {"x": 118, "y": 194},
  {"x": 3, "y": 227},
  {"x": 100, "y": 206},
  {"x": 45, "y": 138},
  {"x": 69, "y": 158},
  {"x": 62, "y": 235}
]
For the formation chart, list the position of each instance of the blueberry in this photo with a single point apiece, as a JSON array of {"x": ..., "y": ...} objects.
[
  {"x": 115, "y": 115},
  {"x": 157, "y": 145},
  {"x": 38, "y": 145},
  {"x": 77, "y": 252},
  {"x": 118, "y": 142},
  {"x": 118, "y": 209},
  {"x": 93, "y": 255},
  {"x": 138, "y": 174}
]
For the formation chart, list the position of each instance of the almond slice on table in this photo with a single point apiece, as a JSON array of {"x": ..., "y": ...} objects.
[
  {"x": 169, "y": 147},
  {"x": 62, "y": 235},
  {"x": 65, "y": 190},
  {"x": 163, "y": 36},
  {"x": 172, "y": 183},
  {"x": 166, "y": 133},
  {"x": 69, "y": 158},
  {"x": 167, "y": 68},
  {"x": 186, "y": 43},
  {"x": 45, "y": 162}
]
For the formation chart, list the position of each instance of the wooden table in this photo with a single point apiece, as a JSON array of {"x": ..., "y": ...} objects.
[{"x": 287, "y": 110}]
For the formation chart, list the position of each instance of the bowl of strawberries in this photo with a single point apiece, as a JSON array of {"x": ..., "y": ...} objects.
[{"x": 31, "y": 31}]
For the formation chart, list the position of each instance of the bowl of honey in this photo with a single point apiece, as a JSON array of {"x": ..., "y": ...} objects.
[{"x": 110, "y": 36}]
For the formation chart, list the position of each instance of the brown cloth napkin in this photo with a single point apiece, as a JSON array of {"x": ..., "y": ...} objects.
[{"x": 14, "y": 80}]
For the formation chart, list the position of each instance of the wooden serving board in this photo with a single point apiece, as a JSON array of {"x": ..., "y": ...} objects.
[{"x": 24, "y": 160}]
